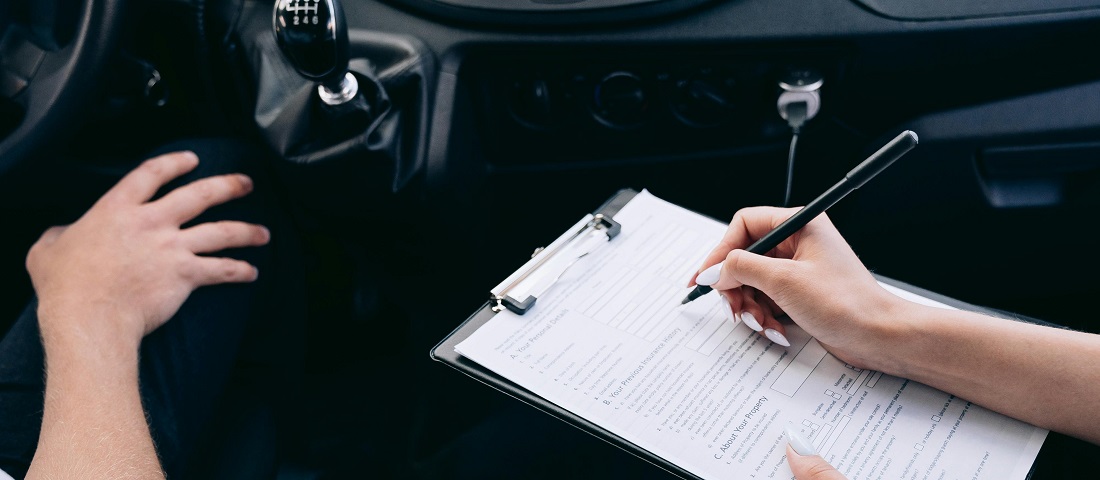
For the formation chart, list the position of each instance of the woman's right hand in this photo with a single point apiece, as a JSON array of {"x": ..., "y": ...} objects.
[{"x": 813, "y": 277}]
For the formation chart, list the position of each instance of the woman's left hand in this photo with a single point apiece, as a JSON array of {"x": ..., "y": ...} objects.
[{"x": 805, "y": 463}]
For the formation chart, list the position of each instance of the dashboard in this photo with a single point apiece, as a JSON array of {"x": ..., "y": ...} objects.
[
  {"x": 544, "y": 108},
  {"x": 537, "y": 99}
]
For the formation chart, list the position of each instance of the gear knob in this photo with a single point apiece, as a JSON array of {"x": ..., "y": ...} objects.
[{"x": 313, "y": 35}]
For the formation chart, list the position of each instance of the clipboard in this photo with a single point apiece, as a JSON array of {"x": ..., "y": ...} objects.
[{"x": 444, "y": 351}]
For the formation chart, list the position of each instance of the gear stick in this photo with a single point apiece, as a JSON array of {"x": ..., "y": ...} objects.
[
  {"x": 356, "y": 101},
  {"x": 313, "y": 35}
]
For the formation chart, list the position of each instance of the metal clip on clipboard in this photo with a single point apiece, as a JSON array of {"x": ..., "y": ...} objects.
[{"x": 520, "y": 290}]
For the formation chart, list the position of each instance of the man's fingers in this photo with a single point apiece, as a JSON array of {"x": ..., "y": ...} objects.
[
  {"x": 811, "y": 467},
  {"x": 142, "y": 183},
  {"x": 51, "y": 234},
  {"x": 212, "y": 271},
  {"x": 189, "y": 201},
  {"x": 217, "y": 236},
  {"x": 44, "y": 241}
]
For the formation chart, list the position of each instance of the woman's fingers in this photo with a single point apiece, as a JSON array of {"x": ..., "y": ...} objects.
[
  {"x": 774, "y": 330},
  {"x": 748, "y": 224},
  {"x": 805, "y": 463},
  {"x": 759, "y": 317},
  {"x": 733, "y": 298},
  {"x": 746, "y": 312}
]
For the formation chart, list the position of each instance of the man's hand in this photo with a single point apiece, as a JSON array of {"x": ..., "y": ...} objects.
[
  {"x": 103, "y": 283},
  {"x": 805, "y": 463},
  {"x": 126, "y": 266}
]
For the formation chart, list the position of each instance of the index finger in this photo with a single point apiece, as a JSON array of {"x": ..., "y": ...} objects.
[
  {"x": 142, "y": 183},
  {"x": 748, "y": 224}
]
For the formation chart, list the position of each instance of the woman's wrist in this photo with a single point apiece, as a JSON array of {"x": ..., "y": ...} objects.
[{"x": 894, "y": 323}]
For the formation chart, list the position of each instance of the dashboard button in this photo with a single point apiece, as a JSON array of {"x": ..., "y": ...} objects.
[
  {"x": 704, "y": 99},
  {"x": 532, "y": 103}
]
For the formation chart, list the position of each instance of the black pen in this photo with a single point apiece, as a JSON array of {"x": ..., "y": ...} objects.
[{"x": 863, "y": 172}]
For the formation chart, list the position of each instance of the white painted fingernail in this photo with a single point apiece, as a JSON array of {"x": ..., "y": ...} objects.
[
  {"x": 750, "y": 320},
  {"x": 799, "y": 443},
  {"x": 709, "y": 276},
  {"x": 776, "y": 337}
]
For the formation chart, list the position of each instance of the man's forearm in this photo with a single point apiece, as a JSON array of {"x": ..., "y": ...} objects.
[
  {"x": 93, "y": 424},
  {"x": 119, "y": 272},
  {"x": 1041, "y": 375}
]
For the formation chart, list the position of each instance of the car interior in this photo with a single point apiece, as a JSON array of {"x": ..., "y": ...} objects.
[{"x": 427, "y": 147}]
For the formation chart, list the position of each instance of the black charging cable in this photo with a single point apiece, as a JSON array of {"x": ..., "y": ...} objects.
[
  {"x": 799, "y": 102},
  {"x": 796, "y": 117}
]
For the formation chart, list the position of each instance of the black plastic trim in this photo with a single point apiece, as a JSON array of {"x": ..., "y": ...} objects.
[{"x": 531, "y": 13}]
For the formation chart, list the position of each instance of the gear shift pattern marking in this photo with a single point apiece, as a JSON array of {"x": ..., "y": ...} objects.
[
  {"x": 304, "y": 6},
  {"x": 313, "y": 35}
]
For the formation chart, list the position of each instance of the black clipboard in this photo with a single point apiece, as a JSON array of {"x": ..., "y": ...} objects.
[{"x": 444, "y": 352}]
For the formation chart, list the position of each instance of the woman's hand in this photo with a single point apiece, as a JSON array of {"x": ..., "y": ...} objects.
[
  {"x": 805, "y": 463},
  {"x": 813, "y": 277}
]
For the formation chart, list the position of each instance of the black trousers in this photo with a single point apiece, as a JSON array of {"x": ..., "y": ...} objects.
[{"x": 215, "y": 379}]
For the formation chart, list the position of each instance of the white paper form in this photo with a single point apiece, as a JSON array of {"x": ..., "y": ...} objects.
[{"x": 610, "y": 343}]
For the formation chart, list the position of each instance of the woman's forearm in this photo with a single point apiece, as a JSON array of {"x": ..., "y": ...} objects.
[{"x": 1041, "y": 375}]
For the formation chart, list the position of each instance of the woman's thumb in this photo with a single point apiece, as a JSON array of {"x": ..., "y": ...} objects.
[
  {"x": 804, "y": 461},
  {"x": 744, "y": 268}
]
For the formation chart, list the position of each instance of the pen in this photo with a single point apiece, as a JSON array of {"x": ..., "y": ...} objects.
[{"x": 863, "y": 172}]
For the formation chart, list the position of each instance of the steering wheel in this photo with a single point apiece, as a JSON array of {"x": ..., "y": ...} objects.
[{"x": 50, "y": 78}]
